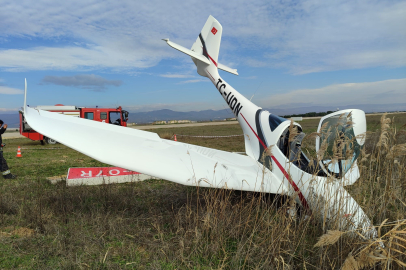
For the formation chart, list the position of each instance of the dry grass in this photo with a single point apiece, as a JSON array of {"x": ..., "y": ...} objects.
[
  {"x": 329, "y": 238},
  {"x": 166, "y": 135},
  {"x": 161, "y": 225}
]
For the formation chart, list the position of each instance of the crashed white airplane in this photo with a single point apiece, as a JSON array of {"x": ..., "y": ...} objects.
[{"x": 284, "y": 169}]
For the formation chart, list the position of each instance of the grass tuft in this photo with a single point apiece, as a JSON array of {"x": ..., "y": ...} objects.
[{"x": 157, "y": 224}]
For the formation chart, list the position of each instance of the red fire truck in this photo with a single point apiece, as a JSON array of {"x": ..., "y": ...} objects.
[{"x": 116, "y": 116}]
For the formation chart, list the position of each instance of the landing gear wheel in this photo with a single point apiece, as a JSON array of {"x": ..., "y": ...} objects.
[{"x": 50, "y": 141}]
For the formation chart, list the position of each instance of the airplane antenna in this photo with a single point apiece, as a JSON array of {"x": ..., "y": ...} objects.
[
  {"x": 25, "y": 94},
  {"x": 256, "y": 90}
]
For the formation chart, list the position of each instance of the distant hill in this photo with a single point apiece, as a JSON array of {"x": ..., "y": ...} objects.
[
  {"x": 368, "y": 108},
  {"x": 11, "y": 119},
  {"x": 206, "y": 115},
  {"x": 165, "y": 115}
]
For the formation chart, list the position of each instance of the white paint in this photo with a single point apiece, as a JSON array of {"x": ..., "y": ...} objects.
[
  {"x": 192, "y": 165},
  {"x": 108, "y": 180}
]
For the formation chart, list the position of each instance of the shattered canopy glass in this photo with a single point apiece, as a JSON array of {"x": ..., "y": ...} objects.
[{"x": 338, "y": 146}]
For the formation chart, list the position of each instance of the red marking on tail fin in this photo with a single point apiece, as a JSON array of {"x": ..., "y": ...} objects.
[{"x": 214, "y": 62}]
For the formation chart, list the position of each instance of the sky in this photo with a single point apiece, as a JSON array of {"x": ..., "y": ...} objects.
[{"x": 288, "y": 53}]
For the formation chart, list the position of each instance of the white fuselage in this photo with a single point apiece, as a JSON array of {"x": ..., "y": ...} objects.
[{"x": 311, "y": 191}]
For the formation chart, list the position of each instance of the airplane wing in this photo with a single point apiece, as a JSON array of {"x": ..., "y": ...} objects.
[{"x": 147, "y": 153}]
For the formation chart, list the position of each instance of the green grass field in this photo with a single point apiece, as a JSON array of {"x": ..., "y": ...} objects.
[{"x": 157, "y": 224}]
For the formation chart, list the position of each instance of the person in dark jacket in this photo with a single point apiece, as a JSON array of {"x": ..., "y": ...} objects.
[{"x": 5, "y": 171}]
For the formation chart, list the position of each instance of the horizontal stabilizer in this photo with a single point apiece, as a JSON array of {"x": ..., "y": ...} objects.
[
  {"x": 228, "y": 69},
  {"x": 199, "y": 57},
  {"x": 188, "y": 52}
]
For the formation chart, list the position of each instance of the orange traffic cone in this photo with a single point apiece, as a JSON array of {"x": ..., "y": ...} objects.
[
  {"x": 175, "y": 138},
  {"x": 19, "y": 152}
]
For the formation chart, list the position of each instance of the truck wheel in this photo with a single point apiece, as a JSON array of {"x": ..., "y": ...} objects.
[
  {"x": 50, "y": 141},
  {"x": 42, "y": 142}
]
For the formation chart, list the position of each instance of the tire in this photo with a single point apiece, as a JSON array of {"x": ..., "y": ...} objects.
[{"x": 50, "y": 141}]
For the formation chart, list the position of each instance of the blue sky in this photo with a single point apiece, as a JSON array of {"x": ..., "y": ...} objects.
[{"x": 288, "y": 53}]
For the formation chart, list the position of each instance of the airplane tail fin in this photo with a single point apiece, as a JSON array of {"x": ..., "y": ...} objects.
[
  {"x": 205, "y": 50},
  {"x": 208, "y": 41}
]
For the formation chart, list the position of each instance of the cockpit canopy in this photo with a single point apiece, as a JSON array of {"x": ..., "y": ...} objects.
[
  {"x": 340, "y": 140},
  {"x": 275, "y": 121},
  {"x": 342, "y": 135}
]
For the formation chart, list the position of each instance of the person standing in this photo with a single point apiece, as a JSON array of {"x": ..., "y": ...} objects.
[{"x": 5, "y": 171}]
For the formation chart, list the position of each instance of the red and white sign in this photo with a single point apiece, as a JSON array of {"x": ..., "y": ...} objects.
[
  {"x": 214, "y": 30},
  {"x": 78, "y": 173}
]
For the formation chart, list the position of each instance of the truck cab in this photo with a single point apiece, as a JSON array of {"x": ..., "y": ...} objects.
[{"x": 116, "y": 116}]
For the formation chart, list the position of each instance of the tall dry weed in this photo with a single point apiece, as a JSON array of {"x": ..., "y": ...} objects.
[
  {"x": 329, "y": 238},
  {"x": 385, "y": 126},
  {"x": 153, "y": 225},
  {"x": 166, "y": 135}
]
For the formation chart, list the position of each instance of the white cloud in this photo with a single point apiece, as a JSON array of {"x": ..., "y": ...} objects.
[
  {"x": 193, "y": 81},
  {"x": 5, "y": 90},
  {"x": 255, "y": 63},
  {"x": 85, "y": 81},
  {"x": 171, "y": 75},
  {"x": 184, "y": 107},
  {"x": 301, "y": 36},
  {"x": 7, "y": 110},
  {"x": 380, "y": 92},
  {"x": 72, "y": 58},
  {"x": 250, "y": 77}
]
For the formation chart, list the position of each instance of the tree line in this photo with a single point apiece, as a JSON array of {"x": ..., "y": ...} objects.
[{"x": 309, "y": 114}]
